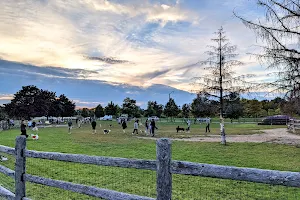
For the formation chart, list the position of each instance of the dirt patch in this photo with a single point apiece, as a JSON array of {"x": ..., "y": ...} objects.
[{"x": 280, "y": 136}]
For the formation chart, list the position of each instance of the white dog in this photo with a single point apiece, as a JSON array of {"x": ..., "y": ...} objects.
[
  {"x": 105, "y": 131},
  {"x": 34, "y": 137}
]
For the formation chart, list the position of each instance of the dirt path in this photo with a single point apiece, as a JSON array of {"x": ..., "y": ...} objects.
[{"x": 280, "y": 136}]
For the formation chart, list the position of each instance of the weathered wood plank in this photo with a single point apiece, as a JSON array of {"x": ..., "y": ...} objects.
[
  {"x": 6, "y": 193},
  {"x": 20, "y": 167},
  {"x": 7, "y": 171},
  {"x": 163, "y": 173},
  {"x": 96, "y": 160},
  {"x": 272, "y": 177},
  {"x": 83, "y": 189},
  {"x": 7, "y": 150}
]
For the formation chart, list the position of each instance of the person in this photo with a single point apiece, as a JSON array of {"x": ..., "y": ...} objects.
[
  {"x": 79, "y": 123},
  {"x": 29, "y": 123},
  {"x": 94, "y": 124},
  {"x": 135, "y": 127},
  {"x": 153, "y": 127},
  {"x": 147, "y": 127},
  {"x": 33, "y": 124},
  {"x": 23, "y": 129},
  {"x": 189, "y": 125},
  {"x": 207, "y": 125},
  {"x": 8, "y": 123},
  {"x": 12, "y": 122},
  {"x": 124, "y": 125},
  {"x": 70, "y": 126}
]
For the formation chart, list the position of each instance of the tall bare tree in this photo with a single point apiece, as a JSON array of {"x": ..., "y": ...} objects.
[
  {"x": 221, "y": 80},
  {"x": 280, "y": 31}
]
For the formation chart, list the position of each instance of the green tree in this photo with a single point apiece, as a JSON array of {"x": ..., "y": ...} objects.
[
  {"x": 3, "y": 114},
  {"x": 67, "y": 107},
  {"x": 85, "y": 112},
  {"x": 111, "y": 109},
  {"x": 171, "y": 109},
  {"x": 233, "y": 107},
  {"x": 201, "y": 106},
  {"x": 186, "y": 110},
  {"x": 99, "y": 111},
  {"x": 28, "y": 102},
  {"x": 129, "y": 107},
  {"x": 154, "y": 109}
]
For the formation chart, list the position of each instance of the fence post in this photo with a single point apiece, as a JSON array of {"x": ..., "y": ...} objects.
[
  {"x": 163, "y": 173},
  {"x": 20, "y": 167}
]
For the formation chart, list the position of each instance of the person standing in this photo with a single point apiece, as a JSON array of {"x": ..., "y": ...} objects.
[
  {"x": 207, "y": 125},
  {"x": 153, "y": 127},
  {"x": 189, "y": 125},
  {"x": 23, "y": 129},
  {"x": 70, "y": 126},
  {"x": 124, "y": 125},
  {"x": 135, "y": 127},
  {"x": 79, "y": 123},
  {"x": 147, "y": 127},
  {"x": 94, "y": 124}
]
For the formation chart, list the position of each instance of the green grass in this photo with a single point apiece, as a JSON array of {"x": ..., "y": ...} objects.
[{"x": 142, "y": 182}]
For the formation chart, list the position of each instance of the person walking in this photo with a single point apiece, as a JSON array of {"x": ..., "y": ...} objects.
[
  {"x": 124, "y": 125},
  {"x": 23, "y": 129},
  {"x": 94, "y": 124},
  {"x": 136, "y": 127},
  {"x": 70, "y": 126},
  {"x": 207, "y": 125}
]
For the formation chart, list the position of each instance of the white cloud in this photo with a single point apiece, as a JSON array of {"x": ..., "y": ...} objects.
[
  {"x": 152, "y": 36},
  {"x": 6, "y": 96}
]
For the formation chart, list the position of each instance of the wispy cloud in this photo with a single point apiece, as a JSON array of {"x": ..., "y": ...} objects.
[
  {"x": 134, "y": 42},
  {"x": 6, "y": 96}
]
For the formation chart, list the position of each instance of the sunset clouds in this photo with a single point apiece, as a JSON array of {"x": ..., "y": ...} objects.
[{"x": 137, "y": 42}]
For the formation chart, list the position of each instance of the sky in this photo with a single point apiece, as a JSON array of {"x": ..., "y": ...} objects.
[{"x": 96, "y": 51}]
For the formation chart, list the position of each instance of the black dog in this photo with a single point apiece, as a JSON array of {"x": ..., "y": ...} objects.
[
  {"x": 105, "y": 131},
  {"x": 179, "y": 129}
]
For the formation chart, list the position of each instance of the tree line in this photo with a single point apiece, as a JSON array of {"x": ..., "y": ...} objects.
[
  {"x": 202, "y": 106},
  {"x": 31, "y": 101}
]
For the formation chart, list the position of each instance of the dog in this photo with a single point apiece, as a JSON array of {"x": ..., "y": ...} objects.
[
  {"x": 2, "y": 158},
  {"x": 105, "y": 131},
  {"x": 179, "y": 129},
  {"x": 34, "y": 137}
]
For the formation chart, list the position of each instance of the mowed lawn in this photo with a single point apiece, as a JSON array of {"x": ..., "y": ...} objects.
[{"x": 142, "y": 182}]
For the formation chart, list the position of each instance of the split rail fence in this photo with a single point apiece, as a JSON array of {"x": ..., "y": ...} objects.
[
  {"x": 294, "y": 125},
  {"x": 163, "y": 165}
]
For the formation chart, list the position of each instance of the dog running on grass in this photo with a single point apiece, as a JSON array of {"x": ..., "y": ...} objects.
[{"x": 179, "y": 129}]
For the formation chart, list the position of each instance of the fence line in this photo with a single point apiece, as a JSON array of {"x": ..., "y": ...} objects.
[
  {"x": 294, "y": 125},
  {"x": 163, "y": 166}
]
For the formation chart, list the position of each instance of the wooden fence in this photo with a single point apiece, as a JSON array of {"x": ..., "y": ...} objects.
[
  {"x": 163, "y": 166},
  {"x": 294, "y": 125}
]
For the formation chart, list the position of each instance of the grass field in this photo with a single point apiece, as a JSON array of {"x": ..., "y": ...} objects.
[{"x": 142, "y": 182}]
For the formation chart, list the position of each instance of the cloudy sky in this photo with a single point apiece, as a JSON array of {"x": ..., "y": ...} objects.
[{"x": 95, "y": 51}]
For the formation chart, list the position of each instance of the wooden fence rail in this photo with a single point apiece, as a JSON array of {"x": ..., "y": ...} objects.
[
  {"x": 163, "y": 165},
  {"x": 294, "y": 125}
]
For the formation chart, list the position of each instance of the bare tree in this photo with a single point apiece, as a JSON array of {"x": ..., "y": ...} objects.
[
  {"x": 280, "y": 31},
  {"x": 221, "y": 80}
]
